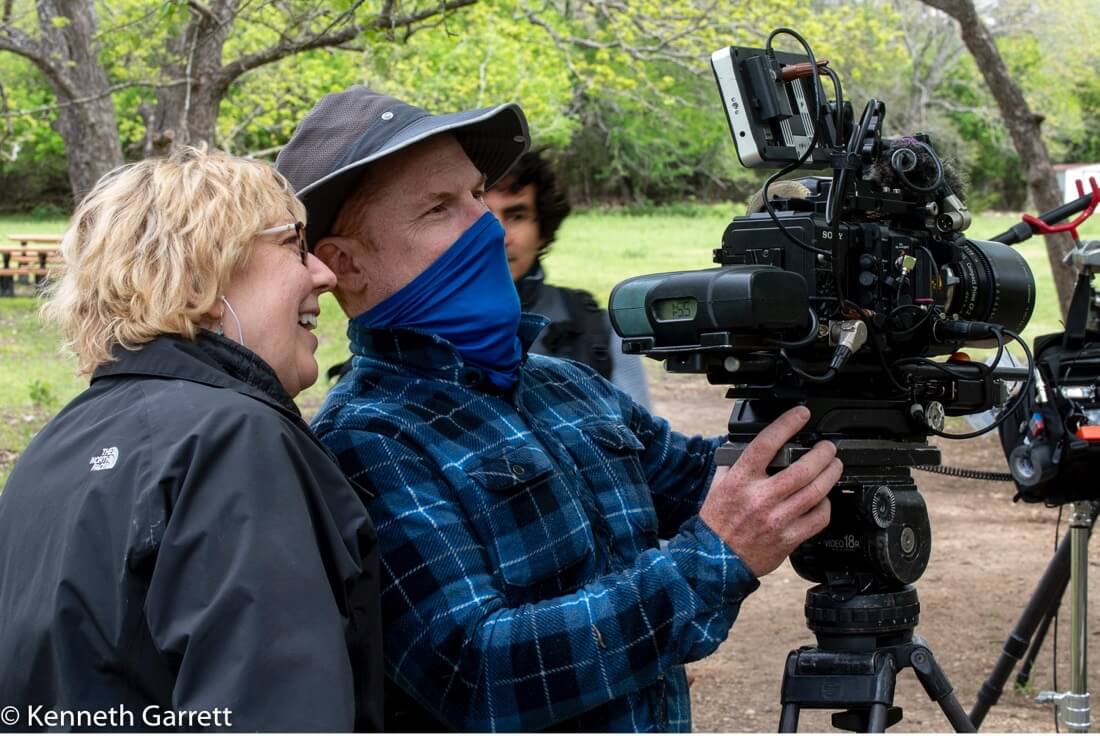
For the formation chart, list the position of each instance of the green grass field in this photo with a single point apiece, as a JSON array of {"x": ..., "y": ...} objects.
[{"x": 594, "y": 251}]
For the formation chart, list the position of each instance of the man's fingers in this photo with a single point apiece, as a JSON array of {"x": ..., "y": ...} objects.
[
  {"x": 809, "y": 466},
  {"x": 807, "y": 525},
  {"x": 771, "y": 439},
  {"x": 811, "y": 495},
  {"x": 811, "y": 522}
]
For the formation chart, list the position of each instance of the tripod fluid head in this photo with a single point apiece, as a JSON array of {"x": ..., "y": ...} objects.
[{"x": 864, "y": 608}]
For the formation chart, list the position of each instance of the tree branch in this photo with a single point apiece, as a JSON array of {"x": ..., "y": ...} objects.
[
  {"x": 329, "y": 37},
  {"x": 91, "y": 98},
  {"x": 283, "y": 49},
  {"x": 21, "y": 44},
  {"x": 204, "y": 11},
  {"x": 385, "y": 19}
]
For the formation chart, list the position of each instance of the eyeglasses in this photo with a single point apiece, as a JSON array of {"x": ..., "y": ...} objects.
[{"x": 299, "y": 230}]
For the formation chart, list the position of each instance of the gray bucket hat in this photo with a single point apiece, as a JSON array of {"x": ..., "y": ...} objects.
[{"x": 348, "y": 130}]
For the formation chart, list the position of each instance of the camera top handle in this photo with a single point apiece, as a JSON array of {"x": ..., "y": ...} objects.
[
  {"x": 1088, "y": 262},
  {"x": 1031, "y": 225}
]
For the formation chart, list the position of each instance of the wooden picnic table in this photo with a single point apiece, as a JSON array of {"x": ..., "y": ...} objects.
[{"x": 27, "y": 255}]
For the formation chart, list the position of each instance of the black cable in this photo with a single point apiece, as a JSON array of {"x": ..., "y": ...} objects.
[
  {"x": 928, "y": 253},
  {"x": 839, "y": 90},
  {"x": 1010, "y": 409},
  {"x": 931, "y": 364},
  {"x": 872, "y": 335},
  {"x": 915, "y": 187},
  {"x": 771, "y": 210},
  {"x": 802, "y": 341},
  {"x": 886, "y": 369},
  {"x": 926, "y": 314},
  {"x": 965, "y": 473},
  {"x": 823, "y": 378},
  {"x": 819, "y": 97},
  {"x": 840, "y": 185},
  {"x": 840, "y": 177}
]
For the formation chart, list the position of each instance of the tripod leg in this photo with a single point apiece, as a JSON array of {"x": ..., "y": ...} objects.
[
  {"x": 1053, "y": 580},
  {"x": 1023, "y": 677},
  {"x": 876, "y": 718},
  {"x": 938, "y": 688},
  {"x": 1076, "y": 711},
  {"x": 788, "y": 719}
]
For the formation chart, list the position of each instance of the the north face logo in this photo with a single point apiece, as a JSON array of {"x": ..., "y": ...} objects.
[{"x": 105, "y": 461}]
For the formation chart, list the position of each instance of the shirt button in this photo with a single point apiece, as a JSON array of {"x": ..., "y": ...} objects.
[{"x": 519, "y": 470}]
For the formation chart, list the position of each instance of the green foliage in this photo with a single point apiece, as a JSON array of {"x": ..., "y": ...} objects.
[
  {"x": 1085, "y": 146},
  {"x": 40, "y": 393},
  {"x": 262, "y": 109},
  {"x": 622, "y": 91},
  {"x": 482, "y": 56}
]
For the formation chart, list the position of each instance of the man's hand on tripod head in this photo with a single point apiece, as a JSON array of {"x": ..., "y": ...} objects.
[{"x": 764, "y": 518}]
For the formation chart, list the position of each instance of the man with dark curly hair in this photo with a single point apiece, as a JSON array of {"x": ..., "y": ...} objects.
[{"x": 531, "y": 206}]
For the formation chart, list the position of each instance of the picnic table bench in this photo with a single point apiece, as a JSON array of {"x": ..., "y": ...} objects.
[{"x": 26, "y": 255}]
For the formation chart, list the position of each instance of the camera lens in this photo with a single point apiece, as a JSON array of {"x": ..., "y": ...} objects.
[{"x": 996, "y": 285}]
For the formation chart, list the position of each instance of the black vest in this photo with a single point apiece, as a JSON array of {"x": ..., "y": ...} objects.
[{"x": 578, "y": 329}]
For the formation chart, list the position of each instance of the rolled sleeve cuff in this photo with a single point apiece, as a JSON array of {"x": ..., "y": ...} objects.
[{"x": 712, "y": 569}]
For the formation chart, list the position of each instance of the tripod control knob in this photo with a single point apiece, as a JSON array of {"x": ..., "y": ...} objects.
[{"x": 884, "y": 507}]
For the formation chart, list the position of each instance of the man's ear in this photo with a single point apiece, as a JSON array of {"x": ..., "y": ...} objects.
[{"x": 343, "y": 258}]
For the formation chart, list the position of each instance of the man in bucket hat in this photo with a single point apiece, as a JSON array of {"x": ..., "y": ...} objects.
[{"x": 519, "y": 499}]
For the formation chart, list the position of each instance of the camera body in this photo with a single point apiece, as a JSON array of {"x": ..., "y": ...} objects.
[
  {"x": 837, "y": 284},
  {"x": 835, "y": 294}
]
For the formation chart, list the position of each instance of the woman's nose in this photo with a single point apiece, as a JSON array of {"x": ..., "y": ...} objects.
[{"x": 323, "y": 277}]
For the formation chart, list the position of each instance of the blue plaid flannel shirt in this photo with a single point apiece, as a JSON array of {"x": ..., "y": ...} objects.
[{"x": 523, "y": 583}]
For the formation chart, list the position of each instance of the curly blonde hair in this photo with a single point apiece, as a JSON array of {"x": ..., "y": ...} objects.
[{"x": 154, "y": 244}]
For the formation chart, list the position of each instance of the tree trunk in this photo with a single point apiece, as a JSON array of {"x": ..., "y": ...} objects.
[
  {"x": 86, "y": 117},
  {"x": 1025, "y": 128},
  {"x": 187, "y": 113}
]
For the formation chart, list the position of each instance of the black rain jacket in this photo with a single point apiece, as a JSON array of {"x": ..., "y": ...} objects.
[{"x": 177, "y": 537}]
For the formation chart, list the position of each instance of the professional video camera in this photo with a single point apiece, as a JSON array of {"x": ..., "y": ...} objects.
[{"x": 836, "y": 296}]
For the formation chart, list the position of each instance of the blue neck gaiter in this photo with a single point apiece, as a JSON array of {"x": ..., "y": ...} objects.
[{"x": 466, "y": 297}]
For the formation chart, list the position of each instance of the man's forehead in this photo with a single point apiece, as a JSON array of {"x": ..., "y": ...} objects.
[
  {"x": 439, "y": 160},
  {"x": 439, "y": 156}
]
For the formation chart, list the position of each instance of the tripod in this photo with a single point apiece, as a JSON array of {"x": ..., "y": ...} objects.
[
  {"x": 865, "y": 633},
  {"x": 1069, "y": 566},
  {"x": 864, "y": 609},
  {"x": 863, "y": 682}
]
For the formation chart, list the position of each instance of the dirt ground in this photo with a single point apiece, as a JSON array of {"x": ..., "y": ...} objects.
[{"x": 988, "y": 554}]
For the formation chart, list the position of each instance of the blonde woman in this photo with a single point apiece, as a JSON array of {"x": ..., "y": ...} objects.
[{"x": 176, "y": 549}]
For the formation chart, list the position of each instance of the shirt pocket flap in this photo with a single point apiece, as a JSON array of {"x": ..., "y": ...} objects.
[
  {"x": 536, "y": 528},
  {"x": 612, "y": 436},
  {"x": 512, "y": 470}
]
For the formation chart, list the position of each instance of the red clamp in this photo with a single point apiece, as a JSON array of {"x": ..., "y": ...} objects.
[{"x": 1070, "y": 227}]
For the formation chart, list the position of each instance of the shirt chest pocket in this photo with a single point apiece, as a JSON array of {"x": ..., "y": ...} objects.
[
  {"x": 610, "y": 464},
  {"x": 533, "y": 524}
]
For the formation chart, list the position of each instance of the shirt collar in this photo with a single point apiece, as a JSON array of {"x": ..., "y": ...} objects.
[
  {"x": 427, "y": 354},
  {"x": 211, "y": 359}
]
